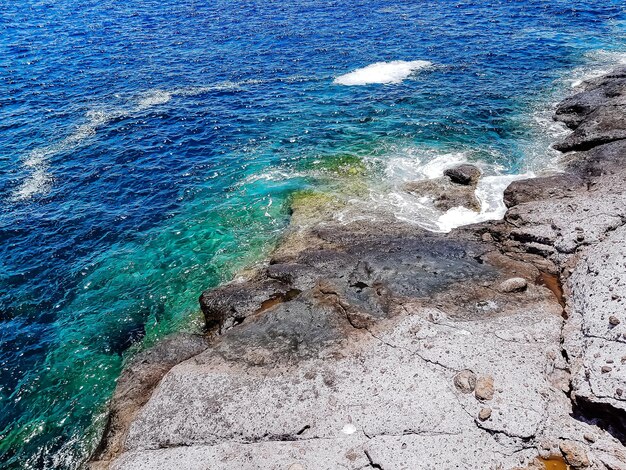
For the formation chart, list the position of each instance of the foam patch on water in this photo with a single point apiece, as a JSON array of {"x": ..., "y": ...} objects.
[
  {"x": 38, "y": 182},
  {"x": 39, "y": 179},
  {"x": 598, "y": 63},
  {"x": 37, "y": 161},
  {"x": 415, "y": 164},
  {"x": 154, "y": 98},
  {"x": 382, "y": 72},
  {"x": 420, "y": 210},
  {"x": 489, "y": 192},
  {"x": 422, "y": 165}
]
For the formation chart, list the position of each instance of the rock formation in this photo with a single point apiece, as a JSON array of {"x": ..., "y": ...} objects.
[
  {"x": 379, "y": 345},
  {"x": 456, "y": 188}
]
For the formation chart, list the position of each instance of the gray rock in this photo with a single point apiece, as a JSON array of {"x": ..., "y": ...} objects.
[
  {"x": 607, "y": 159},
  {"x": 597, "y": 114},
  {"x": 537, "y": 189},
  {"x": 605, "y": 124},
  {"x": 465, "y": 381},
  {"x": 134, "y": 387},
  {"x": 343, "y": 452},
  {"x": 463, "y": 174},
  {"x": 605, "y": 91},
  {"x": 574, "y": 454},
  {"x": 597, "y": 291}
]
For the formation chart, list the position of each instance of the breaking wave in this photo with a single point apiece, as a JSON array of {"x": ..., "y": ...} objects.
[{"x": 382, "y": 72}]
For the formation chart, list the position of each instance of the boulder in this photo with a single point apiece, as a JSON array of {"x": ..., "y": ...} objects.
[{"x": 463, "y": 174}]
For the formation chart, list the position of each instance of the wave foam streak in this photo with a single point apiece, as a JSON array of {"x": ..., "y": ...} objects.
[{"x": 39, "y": 179}]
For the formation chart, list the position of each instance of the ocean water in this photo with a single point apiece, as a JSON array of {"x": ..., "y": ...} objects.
[{"x": 149, "y": 149}]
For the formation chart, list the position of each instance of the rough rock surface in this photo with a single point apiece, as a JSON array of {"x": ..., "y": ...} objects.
[
  {"x": 374, "y": 345},
  {"x": 594, "y": 340},
  {"x": 139, "y": 378},
  {"x": 597, "y": 115}
]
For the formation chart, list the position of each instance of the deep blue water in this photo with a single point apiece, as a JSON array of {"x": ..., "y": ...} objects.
[{"x": 148, "y": 150}]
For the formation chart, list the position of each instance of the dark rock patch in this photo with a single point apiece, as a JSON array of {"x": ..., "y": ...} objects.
[{"x": 465, "y": 174}]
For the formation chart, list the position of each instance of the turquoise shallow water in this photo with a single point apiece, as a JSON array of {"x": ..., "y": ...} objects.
[{"x": 148, "y": 150}]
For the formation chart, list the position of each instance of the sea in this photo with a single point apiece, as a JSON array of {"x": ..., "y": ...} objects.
[{"x": 149, "y": 149}]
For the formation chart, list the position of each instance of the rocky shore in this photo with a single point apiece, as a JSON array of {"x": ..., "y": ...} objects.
[{"x": 379, "y": 345}]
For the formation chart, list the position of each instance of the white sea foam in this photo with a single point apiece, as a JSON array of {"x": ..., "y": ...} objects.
[
  {"x": 382, "y": 72},
  {"x": 419, "y": 210},
  {"x": 38, "y": 182},
  {"x": 199, "y": 90},
  {"x": 416, "y": 165},
  {"x": 154, "y": 98},
  {"x": 413, "y": 164},
  {"x": 37, "y": 161},
  {"x": 39, "y": 179},
  {"x": 272, "y": 174},
  {"x": 489, "y": 192},
  {"x": 597, "y": 63}
]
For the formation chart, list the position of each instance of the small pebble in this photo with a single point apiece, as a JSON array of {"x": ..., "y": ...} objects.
[
  {"x": 514, "y": 284},
  {"x": 619, "y": 392},
  {"x": 484, "y": 388},
  {"x": 484, "y": 414},
  {"x": 613, "y": 320},
  {"x": 465, "y": 381},
  {"x": 349, "y": 429},
  {"x": 590, "y": 437},
  {"x": 606, "y": 369}
]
